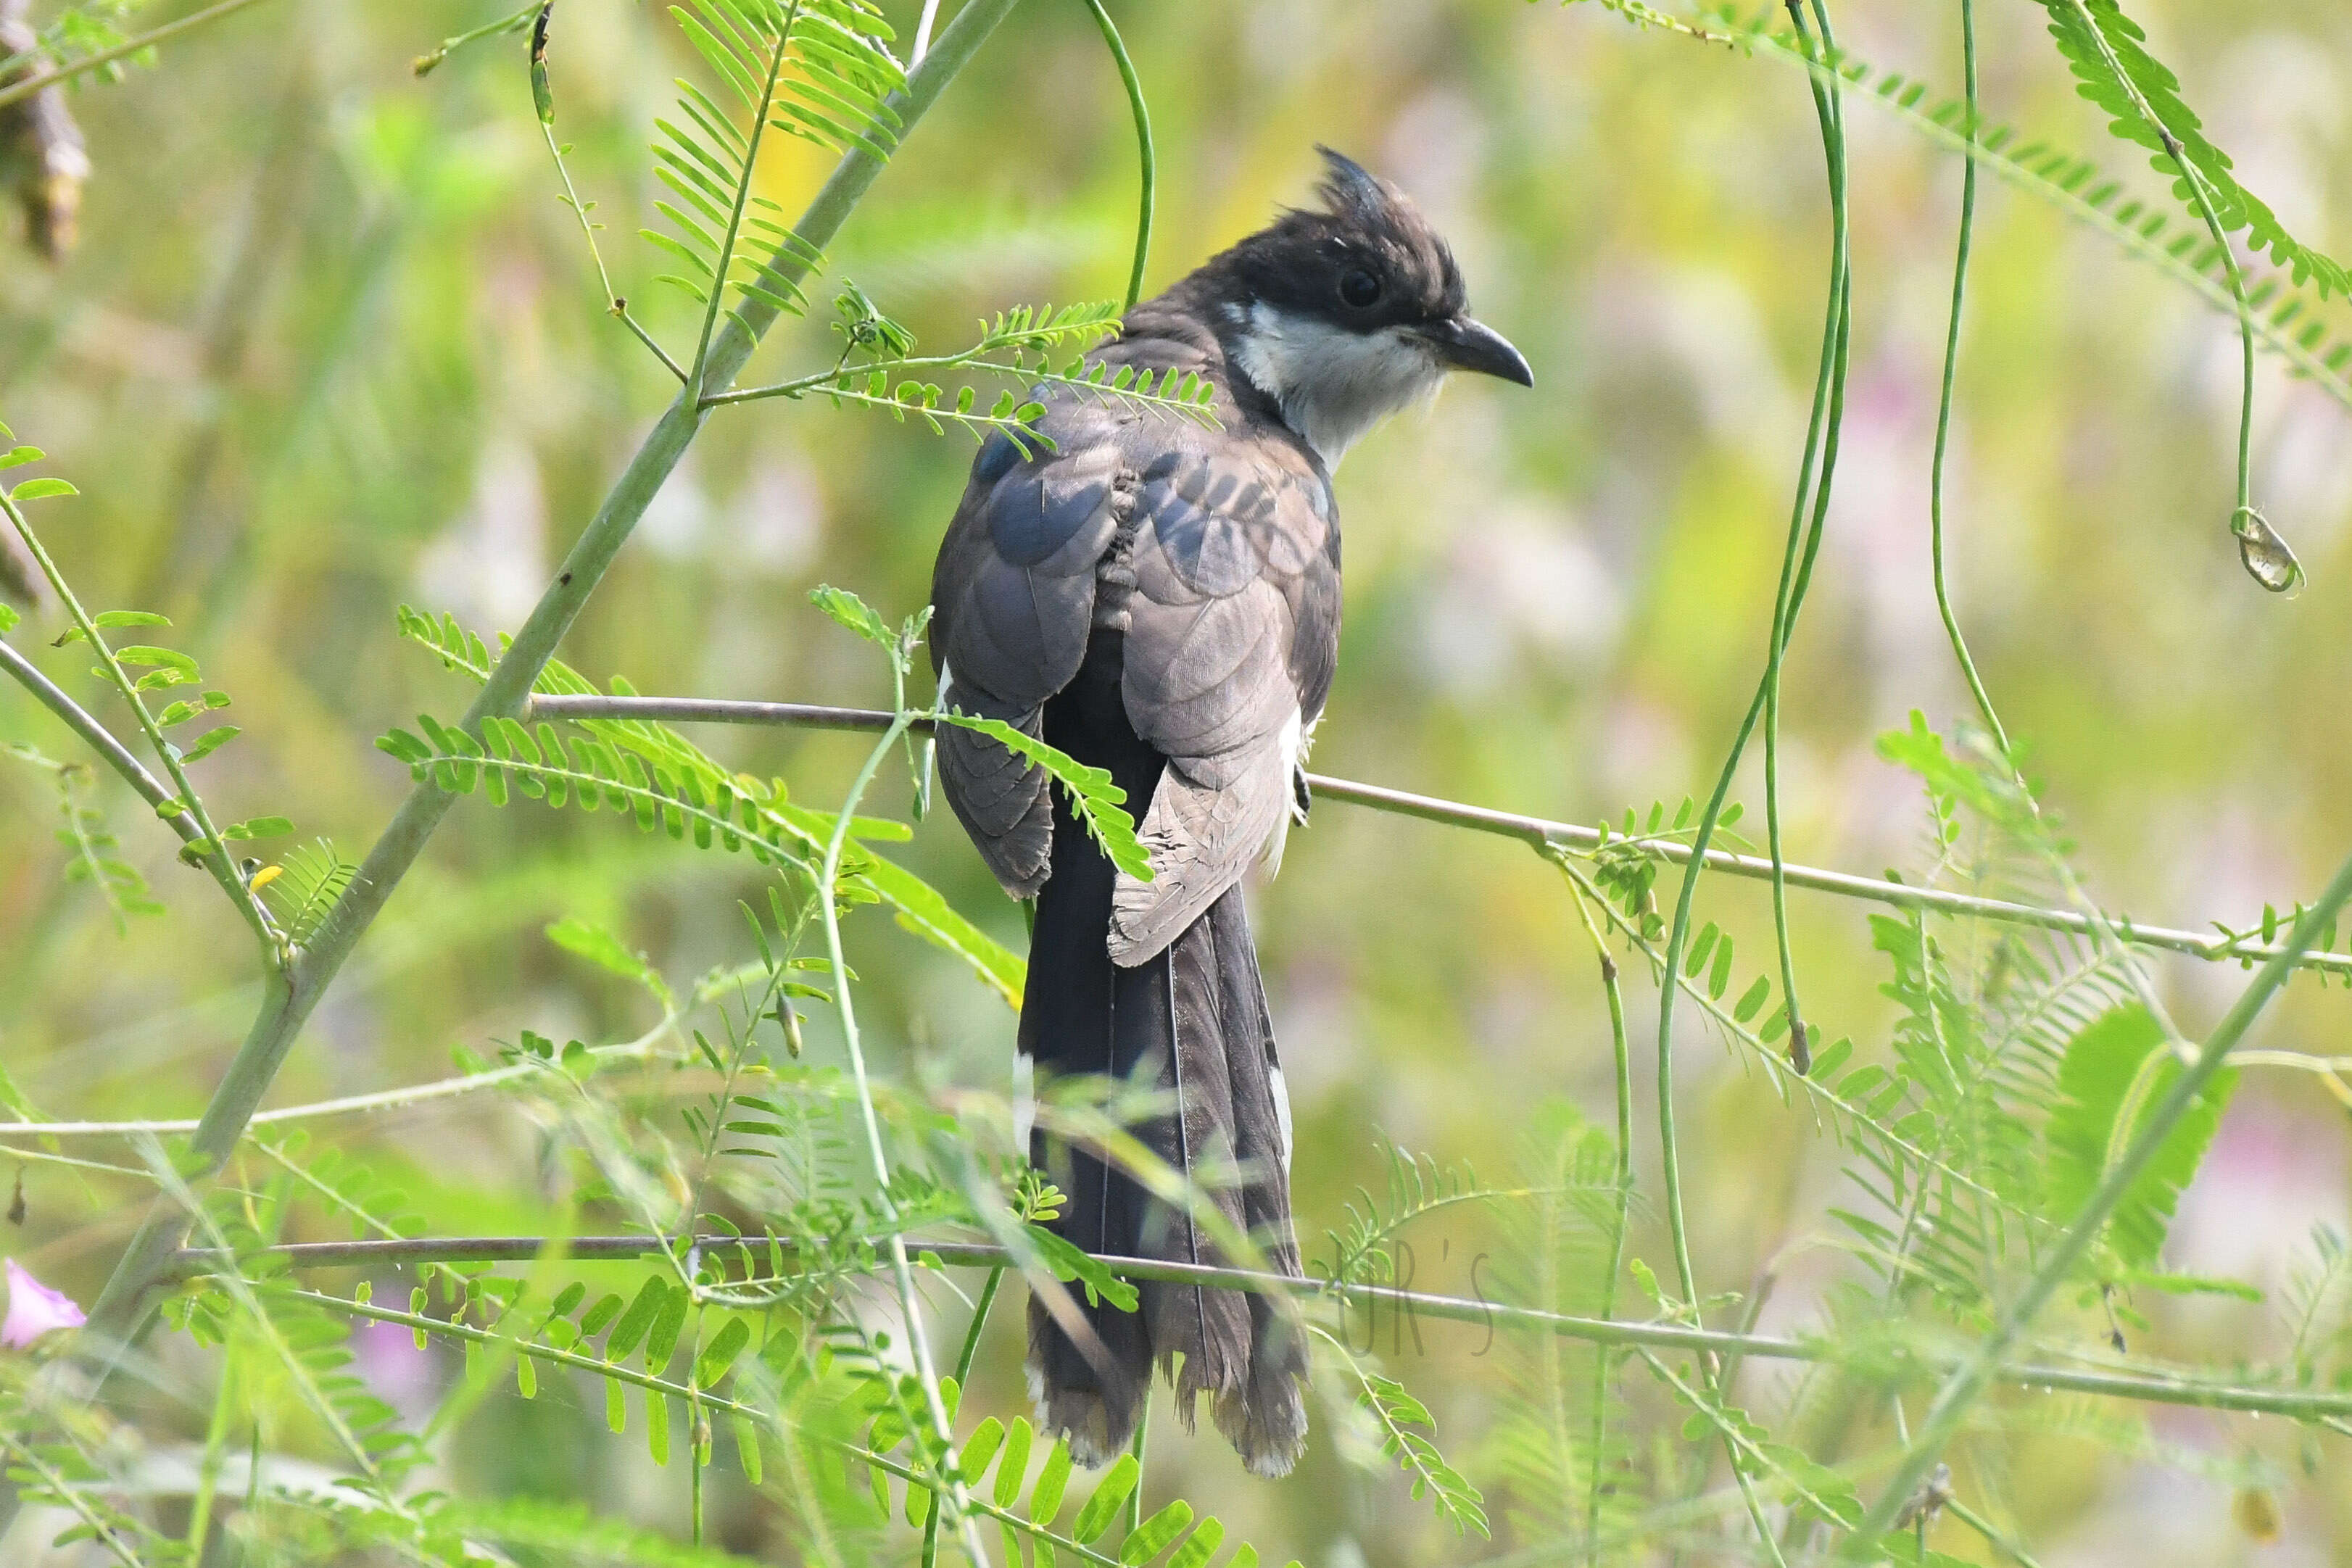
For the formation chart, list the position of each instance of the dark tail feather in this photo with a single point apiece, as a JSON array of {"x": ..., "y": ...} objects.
[
  {"x": 1245, "y": 1352},
  {"x": 1190, "y": 1021}
]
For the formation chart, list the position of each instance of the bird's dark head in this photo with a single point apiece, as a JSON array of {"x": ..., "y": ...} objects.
[{"x": 1345, "y": 315}]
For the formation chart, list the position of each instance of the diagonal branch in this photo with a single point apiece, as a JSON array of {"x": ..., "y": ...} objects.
[{"x": 293, "y": 994}]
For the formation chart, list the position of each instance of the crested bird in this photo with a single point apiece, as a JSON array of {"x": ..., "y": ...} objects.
[{"x": 1161, "y": 599}]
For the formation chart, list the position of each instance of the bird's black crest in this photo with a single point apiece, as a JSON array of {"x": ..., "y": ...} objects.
[{"x": 1364, "y": 222}]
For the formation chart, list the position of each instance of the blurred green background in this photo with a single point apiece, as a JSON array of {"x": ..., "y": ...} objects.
[{"x": 330, "y": 344}]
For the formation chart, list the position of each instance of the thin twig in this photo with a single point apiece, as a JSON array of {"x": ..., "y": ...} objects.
[
  {"x": 512, "y": 22},
  {"x": 216, "y": 859},
  {"x": 613, "y": 304},
  {"x": 902, "y": 1271},
  {"x": 1944, "y": 401},
  {"x": 2145, "y": 1387},
  {"x": 93, "y": 734},
  {"x": 1995, "y": 1537},
  {"x": 16, "y": 92},
  {"x": 343, "y": 1106},
  {"x": 964, "y": 1358}
]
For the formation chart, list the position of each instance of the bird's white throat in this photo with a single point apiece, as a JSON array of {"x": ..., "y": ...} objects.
[{"x": 1332, "y": 384}]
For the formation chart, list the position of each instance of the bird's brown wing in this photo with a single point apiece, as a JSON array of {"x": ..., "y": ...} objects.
[
  {"x": 1215, "y": 552},
  {"x": 1231, "y": 634},
  {"x": 1012, "y": 602}
]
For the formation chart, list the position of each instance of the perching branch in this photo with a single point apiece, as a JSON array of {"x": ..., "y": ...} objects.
[{"x": 1537, "y": 831}]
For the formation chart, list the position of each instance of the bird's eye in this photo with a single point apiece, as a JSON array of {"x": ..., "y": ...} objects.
[{"x": 1359, "y": 288}]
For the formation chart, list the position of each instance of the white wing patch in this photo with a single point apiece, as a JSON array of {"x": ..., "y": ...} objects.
[
  {"x": 1025, "y": 1099},
  {"x": 1281, "y": 1112},
  {"x": 1292, "y": 741}
]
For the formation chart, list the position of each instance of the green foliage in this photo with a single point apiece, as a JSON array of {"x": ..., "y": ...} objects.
[
  {"x": 2288, "y": 322},
  {"x": 96, "y": 851},
  {"x": 1977, "y": 1111},
  {"x": 1417, "y": 1186},
  {"x": 865, "y": 329},
  {"x": 2123, "y": 75},
  {"x": 1560, "y": 1434},
  {"x": 574, "y": 1532},
  {"x": 82, "y": 28},
  {"x": 1457, "y": 1500},
  {"x": 591, "y": 774},
  {"x": 1815, "y": 1489},
  {"x": 2316, "y": 1305},
  {"x": 667, "y": 781},
  {"x": 2116, "y": 1071},
  {"x": 586, "y": 939},
  {"x": 1099, "y": 802},
  {"x": 1070, "y": 1265},
  {"x": 1006, "y": 1452},
  {"x": 1013, "y": 345},
  {"x": 815, "y": 70}
]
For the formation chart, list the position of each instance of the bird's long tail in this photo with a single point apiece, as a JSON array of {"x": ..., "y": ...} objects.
[{"x": 1191, "y": 1023}]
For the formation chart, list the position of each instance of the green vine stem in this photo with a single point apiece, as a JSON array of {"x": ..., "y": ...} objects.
[
  {"x": 964, "y": 1358},
  {"x": 1698, "y": 856},
  {"x": 1142, "y": 1432},
  {"x": 1944, "y": 399},
  {"x": 123, "y": 1304},
  {"x": 1623, "y": 1055},
  {"x": 2022, "y": 164},
  {"x": 1830, "y": 110},
  {"x": 1969, "y": 1380},
  {"x": 2245, "y": 518},
  {"x": 902, "y": 1272},
  {"x": 1821, "y": 446},
  {"x": 2254, "y": 533},
  {"x": 1129, "y": 79}
]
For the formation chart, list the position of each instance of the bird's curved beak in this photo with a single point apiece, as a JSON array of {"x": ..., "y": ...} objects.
[{"x": 1467, "y": 345}]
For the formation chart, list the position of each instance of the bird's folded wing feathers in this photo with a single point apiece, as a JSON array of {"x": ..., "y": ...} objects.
[
  {"x": 1239, "y": 567},
  {"x": 1230, "y": 629},
  {"x": 1013, "y": 598}
]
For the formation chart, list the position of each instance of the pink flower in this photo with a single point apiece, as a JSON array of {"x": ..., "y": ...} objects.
[{"x": 34, "y": 1310}]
